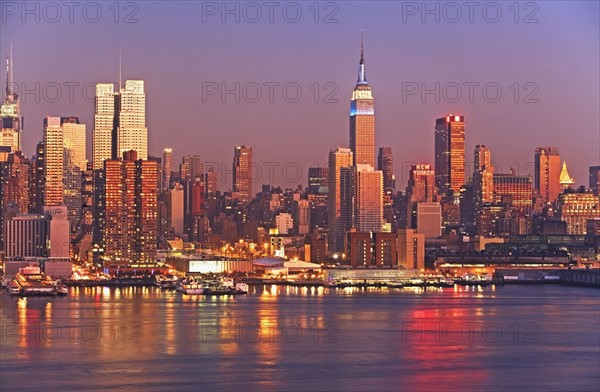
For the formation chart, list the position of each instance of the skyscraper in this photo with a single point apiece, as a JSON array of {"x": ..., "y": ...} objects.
[
  {"x": 547, "y": 173},
  {"x": 132, "y": 133},
  {"x": 10, "y": 120},
  {"x": 483, "y": 177},
  {"x": 385, "y": 163},
  {"x": 338, "y": 159},
  {"x": 167, "y": 168},
  {"x": 242, "y": 173},
  {"x": 190, "y": 168},
  {"x": 104, "y": 132},
  {"x": 450, "y": 154},
  {"x": 74, "y": 164},
  {"x": 130, "y": 197},
  {"x": 74, "y": 139},
  {"x": 53, "y": 162},
  {"x": 362, "y": 118},
  {"x": 317, "y": 178},
  {"x": 369, "y": 199}
]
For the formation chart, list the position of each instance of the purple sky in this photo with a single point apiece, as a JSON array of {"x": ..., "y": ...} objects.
[{"x": 179, "y": 54}]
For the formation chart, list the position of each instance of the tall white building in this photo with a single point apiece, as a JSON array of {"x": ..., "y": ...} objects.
[
  {"x": 104, "y": 122},
  {"x": 53, "y": 162},
  {"x": 284, "y": 222},
  {"x": 369, "y": 199},
  {"x": 132, "y": 133}
]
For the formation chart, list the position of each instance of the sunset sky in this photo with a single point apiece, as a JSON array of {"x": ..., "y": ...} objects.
[{"x": 182, "y": 48}]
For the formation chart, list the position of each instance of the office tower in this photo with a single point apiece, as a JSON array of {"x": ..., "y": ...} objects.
[
  {"x": 10, "y": 117},
  {"x": 483, "y": 177},
  {"x": 362, "y": 118},
  {"x": 347, "y": 198},
  {"x": 74, "y": 163},
  {"x": 87, "y": 195},
  {"x": 566, "y": 182},
  {"x": 576, "y": 208},
  {"x": 369, "y": 199},
  {"x": 385, "y": 164},
  {"x": 190, "y": 168},
  {"x": 338, "y": 159},
  {"x": 130, "y": 198},
  {"x": 242, "y": 173},
  {"x": 105, "y": 120},
  {"x": 53, "y": 162},
  {"x": 132, "y": 133},
  {"x": 547, "y": 173},
  {"x": 421, "y": 188},
  {"x": 167, "y": 169},
  {"x": 411, "y": 249},
  {"x": 25, "y": 236},
  {"x": 197, "y": 197},
  {"x": 317, "y": 178},
  {"x": 449, "y": 154},
  {"x": 429, "y": 219},
  {"x": 74, "y": 141},
  {"x": 513, "y": 190},
  {"x": 595, "y": 179}
]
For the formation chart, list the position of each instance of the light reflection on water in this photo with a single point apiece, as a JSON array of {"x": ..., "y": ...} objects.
[{"x": 299, "y": 338}]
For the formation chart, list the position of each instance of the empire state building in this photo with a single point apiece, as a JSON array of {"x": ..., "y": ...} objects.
[{"x": 362, "y": 118}]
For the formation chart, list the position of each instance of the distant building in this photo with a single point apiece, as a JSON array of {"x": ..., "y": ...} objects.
[
  {"x": 566, "y": 182},
  {"x": 547, "y": 173},
  {"x": 338, "y": 159},
  {"x": 26, "y": 236},
  {"x": 576, "y": 208},
  {"x": 53, "y": 162},
  {"x": 317, "y": 179},
  {"x": 242, "y": 173},
  {"x": 429, "y": 219},
  {"x": 284, "y": 222},
  {"x": 385, "y": 163},
  {"x": 450, "y": 154},
  {"x": 369, "y": 199},
  {"x": 10, "y": 114},
  {"x": 167, "y": 169}
]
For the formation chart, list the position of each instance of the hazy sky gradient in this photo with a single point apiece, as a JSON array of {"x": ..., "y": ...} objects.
[{"x": 175, "y": 52}]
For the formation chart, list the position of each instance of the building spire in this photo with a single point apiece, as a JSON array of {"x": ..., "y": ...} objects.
[
  {"x": 565, "y": 179},
  {"x": 11, "y": 96},
  {"x": 362, "y": 73}
]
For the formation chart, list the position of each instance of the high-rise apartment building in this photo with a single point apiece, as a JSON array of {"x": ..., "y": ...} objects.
[
  {"x": 130, "y": 210},
  {"x": 53, "y": 162},
  {"x": 483, "y": 177},
  {"x": 167, "y": 169},
  {"x": 105, "y": 118}
]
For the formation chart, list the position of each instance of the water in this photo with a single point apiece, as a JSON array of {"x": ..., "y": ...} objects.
[{"x": 276, "y": 338}]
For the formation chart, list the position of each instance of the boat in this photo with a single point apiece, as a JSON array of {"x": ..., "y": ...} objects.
[
  {"x": 241, "y": 288},
  {"x": 14, "y": 288},
  {"x": 61, "y": 289},
  {"x": 193, "y": 289}
]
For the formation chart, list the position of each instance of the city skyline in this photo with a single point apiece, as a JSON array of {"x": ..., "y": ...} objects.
[{"x": 257, "y": 124}]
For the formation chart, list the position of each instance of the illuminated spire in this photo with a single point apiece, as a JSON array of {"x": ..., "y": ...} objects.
[
  {"x": 362, "y": 73},
  {"x": 565, "y": 179}
]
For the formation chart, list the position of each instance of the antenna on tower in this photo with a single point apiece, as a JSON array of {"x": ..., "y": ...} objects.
[
  {"x": 362, "y": 46},
  {"x": 120, "y": 69}
]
